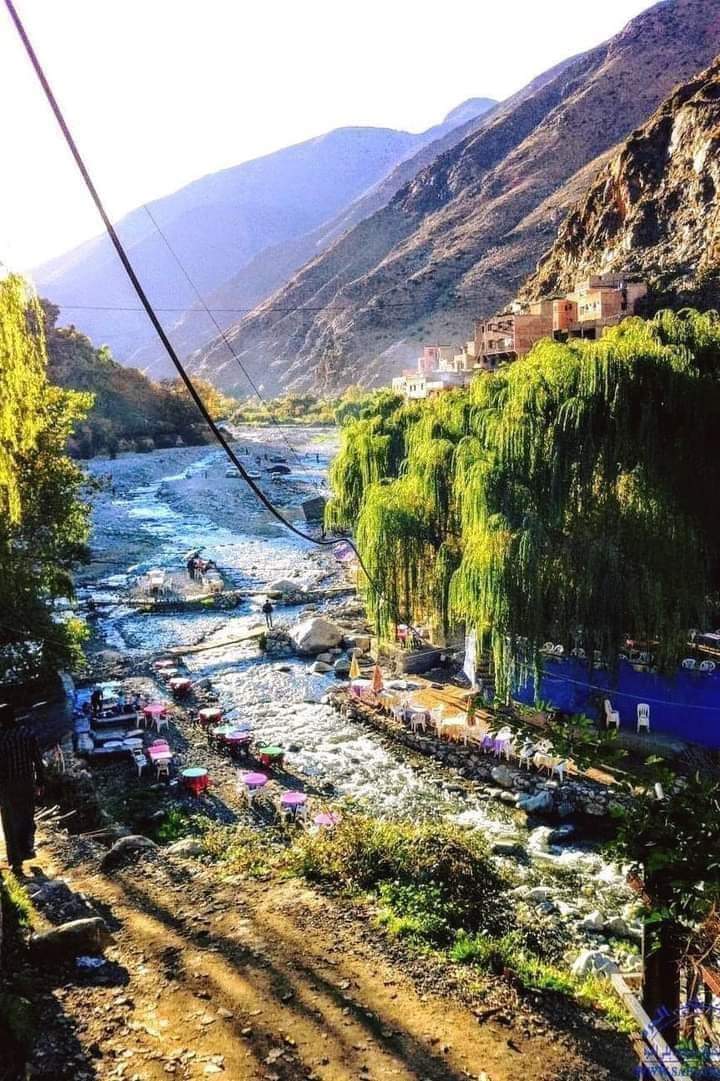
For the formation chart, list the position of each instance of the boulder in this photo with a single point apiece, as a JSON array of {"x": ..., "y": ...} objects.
[
  {"x": 622, "y": 929},
  {"x": 503, "y": 776},
  {"x": 360, "y": 642},
  {"x": 315, "y": 635},
  {"x": 510, "y": 850},
  {"x": 538, "y": 894},
  {"x": 541, "y": 801},
  {"x": 589, "y": 961},
  {"x": 285, "y": 586},
  {"x": 186, "y": 847},
  {"x": 86, "y": 936},
  {"x": 342, "y": 667},
  {"x": 321, "y": 667},
  {"x": 125, "y": 849},
  {"x": 592, "y": 922},
  {"x": 326, "y": 658}
]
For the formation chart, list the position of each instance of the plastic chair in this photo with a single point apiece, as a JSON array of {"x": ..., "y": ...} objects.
[
  {"x": 689, "y": 663},
  {"x": 612, "y": 717},
  {"x": 558, "y": 650},
  {"x": 525, "y": 755},
  {"x": 643, "y": 716},
  {"x": 160, "y": 721},
  {"x": 162, "y": 769},
  {"x": 140, "y": 761},
  {"x": 707, "y": 666},
  {"x": 559, "y": 769},
  {"x": 436, "y": 716},
  {"x": 548, "y": 647}
]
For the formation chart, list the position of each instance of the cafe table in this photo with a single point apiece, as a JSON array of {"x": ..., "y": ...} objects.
[
  {"x": 209, "y": 714},
  {"x": 271, "y": 756},
  {"x": 195, "y": 779},
  {"x": 293, "y": 802}
]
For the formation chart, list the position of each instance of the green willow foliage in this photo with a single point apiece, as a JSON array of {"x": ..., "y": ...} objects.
[
  {"x": 568, "y": 497},
  {"x": 43, "y": 523}
]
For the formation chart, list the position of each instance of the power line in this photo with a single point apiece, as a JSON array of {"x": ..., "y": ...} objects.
[{"x": 143, "y": 298}]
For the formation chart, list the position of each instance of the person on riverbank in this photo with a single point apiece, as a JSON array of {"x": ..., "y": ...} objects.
[
  {"x": 22, "y": 775},
  {"x": 96, "y": 701},
  {"x": 268, "y": 613},
  {"x": 191, "y": 568}
]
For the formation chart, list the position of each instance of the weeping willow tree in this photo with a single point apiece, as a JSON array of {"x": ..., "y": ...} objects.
[
  {"x": 43, "y": 522},
  {"x": 567, "y": 497}
]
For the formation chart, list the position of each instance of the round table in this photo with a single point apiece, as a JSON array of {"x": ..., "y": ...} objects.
[
  {"x": 195, "y": 779},
  {"x": 209, "y": 714},
  {"x": 219, "y": 731},
  {"x": 327, "y": 819},
  {"x": 180, "y": 684},
  {"x": 271, "y": 756},
  {"x": 254, "y": 780},
  {"x": 155, "y": 709},
  {"x": 293, "y": 799},
  {"x": 237, "y": 741}
]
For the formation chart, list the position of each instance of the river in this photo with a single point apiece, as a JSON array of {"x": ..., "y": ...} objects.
[{"x": 169, "y": 501}]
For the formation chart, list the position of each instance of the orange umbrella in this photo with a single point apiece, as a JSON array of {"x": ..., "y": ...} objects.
[
  {"x": 354, "y": 668},
  {"x": 377, "y": 680}
]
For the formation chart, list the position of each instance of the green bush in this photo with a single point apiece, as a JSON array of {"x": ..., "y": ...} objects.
[
  {"x": 450, "y": 868},
  {"x": 241, "y": 850},
  {"x": 415, "y": 911}
]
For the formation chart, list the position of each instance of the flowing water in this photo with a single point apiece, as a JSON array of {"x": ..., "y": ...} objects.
[{"x": 173, "y": 501}]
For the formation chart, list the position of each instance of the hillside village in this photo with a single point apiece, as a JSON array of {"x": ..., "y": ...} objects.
[{"x": 597, "y": 302}]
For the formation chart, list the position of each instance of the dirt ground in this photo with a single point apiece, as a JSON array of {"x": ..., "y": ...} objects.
[{"x": 273, "y": 981}]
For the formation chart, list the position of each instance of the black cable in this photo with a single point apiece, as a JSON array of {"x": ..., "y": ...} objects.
[{"x": 142, "y": 296}]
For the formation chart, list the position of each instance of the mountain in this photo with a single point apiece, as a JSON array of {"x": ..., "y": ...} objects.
[
  {"x": 454, "y": 243},
  {"x": 654, "y": 210},
  {"x": 217, "y": 225}
]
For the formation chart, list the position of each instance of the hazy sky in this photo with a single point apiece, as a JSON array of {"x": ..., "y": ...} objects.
[{"x": 159, "y": 92}]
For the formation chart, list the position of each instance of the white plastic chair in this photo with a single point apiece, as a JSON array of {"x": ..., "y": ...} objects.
[
  {"x": 707, "y": 666},
  {"x": 548, "y": 647},
  {"x": 689, "y": 663},
  {"x": 525, "y": 755},
  {"x": 560, "y": 768},
  {"x": 162, "y": 768},
  {"x": 436, "y": 716},
  {"x": 559, "y": 649},
  {"x": 140, "y": 761},
  {"x": 160, "y": 721},
  {"x": 612, "y": 717},
  {"x": 643, "y": 716}
]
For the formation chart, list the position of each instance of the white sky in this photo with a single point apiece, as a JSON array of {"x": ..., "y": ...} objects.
[{"x": 159, "y": 92}]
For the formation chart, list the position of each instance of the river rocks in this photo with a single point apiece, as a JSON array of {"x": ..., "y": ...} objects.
[
  {"x": 592, "y": 922},
  {"x": 503, "y": 776},
  {"x": 126, "y": 849},
  {"x": 589, "y": 961},
  {"x": 510, "y": 850},
  {"x": 284, "y": 586},
  {"x": 325, "y": 658},
  {"x": 538, "y": 894},
  {"x": 186, "y": 847},
  {"x": 342, "y": 667},
  {"x": 540, "y": 802},
  {"x": 360, "y": 642},
  {"x": 315, "y": 635},
  {"x": 622, "y": 929},
  {"x": 86, "y": 936},
  {"x": 321, "y": 667}
]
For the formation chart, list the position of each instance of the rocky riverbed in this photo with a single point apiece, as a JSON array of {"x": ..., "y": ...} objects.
[{"x": 159, "y": 505}]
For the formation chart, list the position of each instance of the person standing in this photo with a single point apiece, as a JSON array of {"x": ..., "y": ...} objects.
[
  {"x": 22, "y": 775},
  {"x": 96, "y": 701},
  {"x": 268, "y": 612}
]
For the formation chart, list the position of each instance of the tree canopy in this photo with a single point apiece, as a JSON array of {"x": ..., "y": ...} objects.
[
  {"x": 567, "y": 496},
  {"x": 43, "y": 518}
]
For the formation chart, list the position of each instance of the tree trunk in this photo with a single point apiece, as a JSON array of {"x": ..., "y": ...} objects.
[{"x": 661, "y": 986}]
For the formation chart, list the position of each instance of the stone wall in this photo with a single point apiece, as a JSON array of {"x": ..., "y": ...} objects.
[{"x": 525, "y": 789}]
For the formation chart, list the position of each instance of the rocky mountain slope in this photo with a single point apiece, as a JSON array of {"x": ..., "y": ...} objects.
[
  {"x": 218, "y": 225},
  {"x": 456, "y": 241},
  {"x": 654, "y": 210}
]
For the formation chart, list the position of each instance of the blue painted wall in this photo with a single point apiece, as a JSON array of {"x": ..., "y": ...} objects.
[{"x": 686, "y": 704}]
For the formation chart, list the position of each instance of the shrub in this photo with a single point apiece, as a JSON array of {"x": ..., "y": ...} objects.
[
  {"x": 418, "y": 912},
  {"x": 363, "y": 854},
  {"x": 241, "y": 850}
]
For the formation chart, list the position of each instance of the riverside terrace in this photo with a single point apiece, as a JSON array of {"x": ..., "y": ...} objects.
[{"x": 499, "y": 748}]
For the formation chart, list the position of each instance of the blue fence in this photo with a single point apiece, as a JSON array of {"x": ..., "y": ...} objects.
[{"x": 685, "y": 705}]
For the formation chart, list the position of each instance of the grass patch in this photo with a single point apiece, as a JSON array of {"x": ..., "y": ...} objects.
[
  {"x": 241, "y": 850},
  {"x": 17, "y": 906},
  {"x": 508, "y": 956},
  {"x": 179, "y": 823},
  {"x": 437, "y": 875}
]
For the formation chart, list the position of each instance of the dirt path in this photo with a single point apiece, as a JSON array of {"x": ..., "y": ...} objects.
[{"x": 271, "y": 980}]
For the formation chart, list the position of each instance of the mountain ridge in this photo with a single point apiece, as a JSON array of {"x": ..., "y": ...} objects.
[
  {"x": 217, "y": 224},
  {"x": 460, "y": 237}
]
